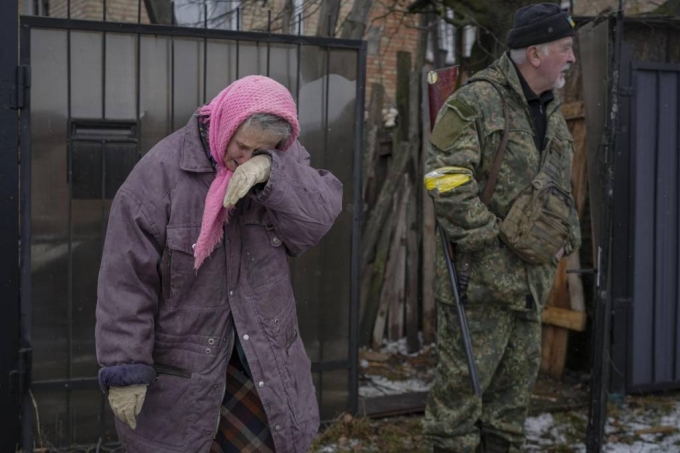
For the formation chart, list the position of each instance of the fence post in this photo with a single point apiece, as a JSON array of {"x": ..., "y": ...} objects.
[{"x": 10, "y": 399}]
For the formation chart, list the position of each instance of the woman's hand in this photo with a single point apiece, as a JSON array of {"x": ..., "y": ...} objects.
[{"x": 254, "y": 171}]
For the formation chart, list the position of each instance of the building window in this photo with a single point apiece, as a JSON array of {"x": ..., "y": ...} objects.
[
  {"x": 447, "y": 40},
  {"x": 469, "y": 38},
  {"x": 298, "y": 17}
]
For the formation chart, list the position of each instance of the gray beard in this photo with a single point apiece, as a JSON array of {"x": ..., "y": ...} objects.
[{"x": 560, "y": 82}]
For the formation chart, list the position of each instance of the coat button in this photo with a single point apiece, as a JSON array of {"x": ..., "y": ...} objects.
[
  {"x": 276, "y": 240},
  {"x": 207, "y": 350},
  {"x": 277, "y": 427},
  {"x": 246, "y": 337},
  {"x": 215, "y": 387},
  {"x": 260, "y": 384},
  {"x": 211, "y": 341},
  {"x": 193, "y": 246},
  {"x": 207, "y": 434},
  {"x": 231, "y": 293}
]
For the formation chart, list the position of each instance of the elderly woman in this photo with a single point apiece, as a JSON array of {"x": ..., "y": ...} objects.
[{"x": 197, "y": 329}]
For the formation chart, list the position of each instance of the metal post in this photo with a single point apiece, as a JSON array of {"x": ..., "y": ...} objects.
[
  {"x": 10, "y": 374},
  {"x": 355, "y": 276}
]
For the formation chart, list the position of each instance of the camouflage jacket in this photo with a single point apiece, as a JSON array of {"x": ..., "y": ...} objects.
[{"x": 462, "y": 148}]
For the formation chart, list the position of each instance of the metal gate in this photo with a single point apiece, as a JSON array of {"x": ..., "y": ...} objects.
[
  {"x": 646, "y": 343},
  {"x": 96, "y": 97}
]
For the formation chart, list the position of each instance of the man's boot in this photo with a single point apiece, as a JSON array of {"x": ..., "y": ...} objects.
[{"x": 491, "y": 443}]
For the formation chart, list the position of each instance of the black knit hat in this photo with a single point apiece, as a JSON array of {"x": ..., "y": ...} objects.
[{"x": 538, "y": 24}]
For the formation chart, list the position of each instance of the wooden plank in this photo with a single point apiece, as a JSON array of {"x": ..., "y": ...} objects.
[
  {"x": 391, "y": 405},
  {"x": 371, "y": 141},
  {"x": 567, "y": 290},
  {"x": 377, "y": 277},
  {"x": 412, "y": 258},
  {"x": 389, "y": 292},
  {"x": 555, "y": 345},
  {"x": 573, "y": 110},
  {"x": 397, "y": 280},
  {"x": 429, "y": 240},
  {"x": 376, "y": 216},
  {"x": 568, "y": 319}
]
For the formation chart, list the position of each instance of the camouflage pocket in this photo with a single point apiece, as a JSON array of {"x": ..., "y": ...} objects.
[{"x": 537, "y": 225}]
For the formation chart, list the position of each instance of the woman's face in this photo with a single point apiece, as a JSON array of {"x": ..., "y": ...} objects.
[{"x": 245, "y": 141}]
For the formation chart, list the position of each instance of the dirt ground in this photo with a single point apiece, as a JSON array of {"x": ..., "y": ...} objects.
[{"x": 557, "y": 421}]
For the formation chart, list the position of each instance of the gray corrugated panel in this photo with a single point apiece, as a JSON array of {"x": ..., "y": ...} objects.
[
  {"x": 665, "y": 300},
  {"x": 642, "y": 323}
]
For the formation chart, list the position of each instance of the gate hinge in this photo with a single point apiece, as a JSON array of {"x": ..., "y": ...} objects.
[
  {"x": 627, "y": 91},
  {"x": 23, "y": 83},
  {"x": 20, "y": 380}
]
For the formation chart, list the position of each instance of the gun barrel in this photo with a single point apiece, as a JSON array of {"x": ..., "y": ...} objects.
[{"x": 462, "y": 319}]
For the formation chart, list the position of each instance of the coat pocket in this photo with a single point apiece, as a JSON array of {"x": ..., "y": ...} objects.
[
  {"x": 185, "y": 286},
  {"x": 168, "y": 410}
]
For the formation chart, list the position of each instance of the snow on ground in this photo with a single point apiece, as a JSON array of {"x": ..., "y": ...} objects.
[
  {"x": 381, "y": 386},
  {"x": 624, "y": 430},
  {"x": 636, "y": 424}
]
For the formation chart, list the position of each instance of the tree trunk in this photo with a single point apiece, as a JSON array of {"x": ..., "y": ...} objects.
[
  {"x": 328, "y": 18},
  {"x": 357, "y": 20},
  {"x": 287, "y": 18}
]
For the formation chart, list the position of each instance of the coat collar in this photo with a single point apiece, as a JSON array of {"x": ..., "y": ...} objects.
[
  {"x": 503, "y": 73},
  {"x": 192, "y": 154}
]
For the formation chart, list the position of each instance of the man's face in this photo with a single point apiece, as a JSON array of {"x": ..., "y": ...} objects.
[
  {"x": 246, "y": 141},
  {"x": 558, "y": 61}
]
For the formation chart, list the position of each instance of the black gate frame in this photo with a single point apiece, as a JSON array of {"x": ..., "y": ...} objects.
[
  {"x": 18, "y": 317},
  {"x": 10, "y": 378}
]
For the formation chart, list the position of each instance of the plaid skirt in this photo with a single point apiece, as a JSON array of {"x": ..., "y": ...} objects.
[{"x": 243, "y": 422}]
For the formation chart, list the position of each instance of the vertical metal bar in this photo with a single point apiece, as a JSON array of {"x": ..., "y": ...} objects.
[
  {"x": 172, "y": 84},
  {"x": 322, "y": 164},
  {"x": 103, "y": 75},
  {"x": 26, "y": 283},
  {"x": 68, "y": 9},
  {"x": 104, "y": 11},
  {"x": 356, "y": 232},
  {"x": 10, "y": 402},
  {"x": 205, "y": 53},
  {"x": 269, "y": 23},
  {"x": 677, "y": 245},
  {"x": 69, "y": 272},
  {"x": 138, "y": 94},
  {"x": 205, "y": 70},
  {"x": 139, "y": 11},
  {"x": 69, "y": 292},
  {"x": 172, "y": 73},
  {"x": 297, "y": 83},
  {"x": 238, "y": 59},
  {"x": 102, "y": 204},
  {"x": 655, "y": 189}
]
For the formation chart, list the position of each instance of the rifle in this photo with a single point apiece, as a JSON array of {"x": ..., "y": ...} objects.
[{"x": 440, "y": 85}]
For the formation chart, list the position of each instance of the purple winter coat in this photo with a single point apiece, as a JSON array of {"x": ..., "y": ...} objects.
[{"x": 160, "y": 322}]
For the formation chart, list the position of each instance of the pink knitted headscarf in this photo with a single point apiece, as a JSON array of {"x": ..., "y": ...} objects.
[{"x": 226, "y": 112}]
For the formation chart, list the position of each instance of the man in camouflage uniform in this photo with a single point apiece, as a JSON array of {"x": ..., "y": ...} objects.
[{"x": 505, "y": 295}]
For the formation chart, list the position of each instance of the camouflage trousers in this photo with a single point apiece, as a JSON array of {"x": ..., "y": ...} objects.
[{"x": 507, "y": 348}]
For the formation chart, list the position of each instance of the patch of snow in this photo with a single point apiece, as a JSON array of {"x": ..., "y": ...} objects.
[
  {"x": 381, "y": 386},
  {"x": 364, "y": 363},
  {"x": 401, "y": 346}
]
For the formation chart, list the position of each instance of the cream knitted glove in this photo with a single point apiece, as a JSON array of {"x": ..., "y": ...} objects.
[
  {"x": 254, "y": 171},
  {"x": 127, "y": 402}
]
